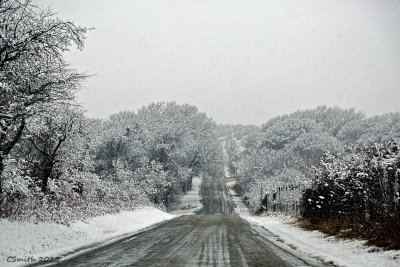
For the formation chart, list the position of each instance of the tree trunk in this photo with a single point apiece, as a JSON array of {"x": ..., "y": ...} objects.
[
  {"x": 48, "y": 164},
  {"x": 48, "y": 168}
]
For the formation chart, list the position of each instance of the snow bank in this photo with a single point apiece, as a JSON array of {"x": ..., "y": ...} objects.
[
  {"x": 23, "y": 240},
  {"x": 191, "y": 201}
]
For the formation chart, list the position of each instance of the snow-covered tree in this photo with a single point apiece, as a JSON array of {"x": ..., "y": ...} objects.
[
  {"x": 363, "y": 189},
  {"x": 178, "y": 138},
  {"x": 33, "y": 71},
  {"x": 377, "y": 129},
  {"x": 284, "y": 132},
  {"x": 331, "y": 119},
  {"x": 154, "y": 181},
  {"x": 47, "y": 133},
  {"x": 290, "y": 144}
]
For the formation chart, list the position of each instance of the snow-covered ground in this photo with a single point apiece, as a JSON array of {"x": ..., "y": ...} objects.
[
  {"x": 191, "y": 201},
  {"x": 314, "y": 243},
  {"x": 240, "y": 207},
  {"x": 23, "y": 240}
]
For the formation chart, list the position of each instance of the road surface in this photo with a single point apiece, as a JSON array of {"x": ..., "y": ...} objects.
[{"x": 215, "y": 236}]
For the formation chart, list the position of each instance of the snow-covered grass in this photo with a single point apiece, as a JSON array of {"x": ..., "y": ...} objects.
[
  {"x": 191, "y": 201},
  {"x": 330, "y": 249},
  {"x": 314, "y": 243},
  {"x": 24, "y": 239}
]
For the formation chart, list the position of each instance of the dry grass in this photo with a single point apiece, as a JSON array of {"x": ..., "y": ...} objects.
[{"x": 386, "y": 236}]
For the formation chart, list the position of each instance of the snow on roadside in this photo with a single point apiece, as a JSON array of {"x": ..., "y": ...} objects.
[
  {"x": 191, "y": 201},
  {"x": 240, "y": 207},
  {"x": 314, "y": 243},
  {"x": 22, "y": 239},
  {"x": 227, "y": 172}
]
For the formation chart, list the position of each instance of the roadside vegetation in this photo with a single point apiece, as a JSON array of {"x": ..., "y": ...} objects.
[
  {"x": 58, "y": 165},
  {"x": 332, "y": 167}
]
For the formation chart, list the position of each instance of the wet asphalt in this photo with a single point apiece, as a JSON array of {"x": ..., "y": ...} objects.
[{"x": 215, "y": 236}]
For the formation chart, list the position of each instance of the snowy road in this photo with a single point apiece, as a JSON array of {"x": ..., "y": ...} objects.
[{"x": 215, "y": 236}]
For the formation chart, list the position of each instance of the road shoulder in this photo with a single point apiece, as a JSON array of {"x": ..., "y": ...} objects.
[
  {"x": 282, "y": 232},
  {"x": 25, "y": 241}
]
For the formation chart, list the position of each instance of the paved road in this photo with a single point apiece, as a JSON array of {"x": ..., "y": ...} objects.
[{"x": 215, "y": 236}]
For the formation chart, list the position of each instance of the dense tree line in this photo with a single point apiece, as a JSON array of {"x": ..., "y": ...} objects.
[
  {"x": 326, "y": 164},
  {"x": 231, "y": 137},
  {"x": 237, "y": 131},
  {"x": 56, "y": 164},
  {"x": 296, "y": 142},
  {"x": 160, "y": 148},
  {"x": 282, "y": 152}
]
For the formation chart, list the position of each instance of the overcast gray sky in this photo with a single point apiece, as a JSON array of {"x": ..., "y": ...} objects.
[{"x": 240, "y": 61}]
